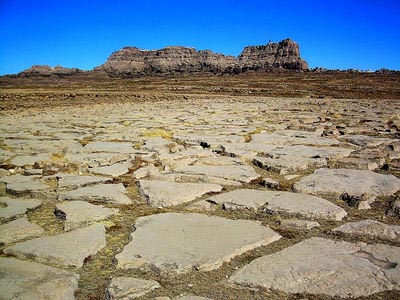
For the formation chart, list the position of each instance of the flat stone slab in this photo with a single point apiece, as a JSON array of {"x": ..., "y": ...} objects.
[
  {"x": 336, "y": 182},
  {"x": 327, "y": 267},
  {"x": 75, "y": 181},
  {"x": 25, "y": 280},
  {"x": 67, "y": 249},
  {"x": 280, "y": 202},
  {"x": 370, "y": 228},
  {"x": 289, "y": 164},
  {"x": 93, "y": 160},
  {"x": 114, "y": 193},
  {"x": 292, "y": 138},
  {"x": 16, "y": 207},
  {"x": 182, "y": 241},
  {"x": 166, "y": 193},
  {"x": 80, "y": 213},
  {"x": 18, "y": 230},
  {"x": 125, "y": 288},
  {"x": 114, "y": 170},
  {"x": 287, "y": 159},
  {"x": 239, "y": 173},
  {"x": 113, "y": 147},
  {"x": 27, "y": 188},
  {"x": 29, "y": 160}
]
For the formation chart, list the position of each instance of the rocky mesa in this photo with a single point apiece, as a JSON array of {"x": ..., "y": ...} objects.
[
  {"x": 176, "y": 59},
  {"x": 132, "y": 61}
]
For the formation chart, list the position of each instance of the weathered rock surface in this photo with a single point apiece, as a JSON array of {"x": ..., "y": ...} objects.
[
  {"x": 25, "y": 280},
  {"x": 126, "y": 288},
  {"x": 67, "y": 249},
  {"x": 16, "y": 207},
  {"x": 114, "y": 170},
  {"x": 285, "y": 159},
  {"x": 354, "y": 183},
  {"x": 133, "y": 61},
  {"x": 371, "y": 229},
  {"x": 322, "y": 266},
  {"x": 280, "y": 202},
  {"x": 112, "y": 147},
  {"x": 18, "y": 230},
  {"x": 165, "y": 193},
  {"x": 114, "y": 193},
  {"x": 74, "y": 181},
  {"x": 79, "y": 213},
  {"x": 244, "y": 174},
  {"x": 188, "y": 240}
]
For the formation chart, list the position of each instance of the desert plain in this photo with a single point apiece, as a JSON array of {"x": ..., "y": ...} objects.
[{"x": 282, "y": 185}]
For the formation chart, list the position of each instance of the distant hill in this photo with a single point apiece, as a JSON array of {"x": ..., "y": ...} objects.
[
  {"x": 132, "y": 61},
  {"x": 176, "y": 59}
]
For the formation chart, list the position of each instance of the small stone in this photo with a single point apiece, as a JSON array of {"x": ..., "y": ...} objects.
[
  {"x": 201, "y": 206},
  {"x": 270, "y": 183},
  {"x": 299, "y": 224},
  {"x": 191, "y": 297},
  {"x": 145, "y": 171},
  {"x": 291, "y": 177},
  {"x": 126, "y": 288},
  {"x": 67, "y": 249},
  {"x": 18, "y": 230},
  {"x": 80, "y": 213},
  {"x": 30, "y": 280},
  {"x": 371, "y": 229},
  {"x": 165, "y": 193}
]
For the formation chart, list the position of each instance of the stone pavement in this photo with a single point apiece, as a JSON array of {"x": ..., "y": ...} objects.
[{"x": 251, "y": 198}]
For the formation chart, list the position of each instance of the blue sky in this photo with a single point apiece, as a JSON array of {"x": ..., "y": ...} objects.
[{"x": 362, "y": 34}]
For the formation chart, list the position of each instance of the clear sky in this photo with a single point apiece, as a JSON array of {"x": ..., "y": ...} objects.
[{"x": 362, "y": 34}]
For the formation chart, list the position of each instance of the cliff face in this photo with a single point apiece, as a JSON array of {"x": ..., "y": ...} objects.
[
  {"x": 282, "y": 55},
  {"x": 133, "y": 61}
]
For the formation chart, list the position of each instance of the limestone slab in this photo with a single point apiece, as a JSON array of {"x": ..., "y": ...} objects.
[
  {"x": 16, "y": 207},
  {"x": 18, "y": 230},
  {"x": 336, "y": 182},
  {"x": 166, "y": 193},
  {"x": 370, "y": 228},
  {"x": 239, "y": 173},
  {"x": 327, "y": 267},
  {"x": 114, "y": 193},
  {"x": 25, "y": 280},
  {"x": 80, "y": 213},
  {"x": 183, "y": 241},
  {"x": 114, "y": 170},
  {"x": 67, "y": 249},
  {"x": 113, "y": 147},
  {"x": 280, "y": 202},
  {"x": 71, "y": 181},
  {"x": 126, "y": 288}
]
